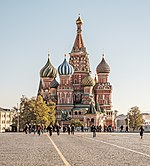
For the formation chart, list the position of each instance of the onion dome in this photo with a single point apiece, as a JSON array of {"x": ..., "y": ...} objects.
[
  {"x": 79, "y": 20},
  {"x": 87, "y": 81},
  {"x": 54, "y": 84},
  {"x": 103, "y": 67},
  {"x": 48, "y": 70},
  {"x": 65, "y": 68}
]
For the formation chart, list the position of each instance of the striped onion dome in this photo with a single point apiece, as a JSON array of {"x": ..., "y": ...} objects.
[
  {"x": 88, "y": 81},
  {"x": 103, "y": 67},
  {"x": 54, "y": 84},
  {"x": 65, "y": 68},
  {"x": 48, "y": 70}
]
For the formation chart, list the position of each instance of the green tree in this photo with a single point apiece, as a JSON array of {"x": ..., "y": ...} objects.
[
  {"x": 45, "y": 113},
  {"x": 135, "y": 118},
  {"x": 76, "y": 123},
  {"x": 35, "y": 110},
  {"x": 27, "y": 111},
  {"x": 52, "y": 112}
]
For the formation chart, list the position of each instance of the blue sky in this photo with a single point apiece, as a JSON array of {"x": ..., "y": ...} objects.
[{"x": 29, "y": 28}]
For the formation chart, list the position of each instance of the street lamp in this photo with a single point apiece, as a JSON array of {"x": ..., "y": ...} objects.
[{"x": 18, "y": 111}]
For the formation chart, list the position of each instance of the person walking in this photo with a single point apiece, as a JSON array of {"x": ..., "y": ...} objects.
[
  {"x": 39, "y": 130},
  {"x": 82, "y": 128},
  {"x": 141, "y": 131},
  {"x": 94, "y": 131},
  {"x": 72, "y": 129},
  {"x": 50, "y": 129},
  {"x": 100, "y": 128},
  {"x": 34, "y": 128},
  {"x": 121, "y": 128},
  {"x": 68, "y": 129},
  {"x": 58, "y": 129},
  {"x": 127, "y": 130},
  {"x": 64, "y": 129},
  {"x": 26, "y": 128}
]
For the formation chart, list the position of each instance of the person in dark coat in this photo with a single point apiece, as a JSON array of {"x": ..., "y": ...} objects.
[
  {"x": 72, "y": 129},
  {"x": 141, "y": 131},
  {"x": 34, "y": 128},
  {"x": 26, "y": 128},
  {"x": 58, "y": 129},
  {"x": 127, "y": 129},
  {"x": 68, "y": 129},
  {"x": 82, "y": 128},
  {"x": 121, "y": 128},
  {"x": 94, "y": 131},
  {"x": 50, "y": 129},
  {"x": 30, "y": 129},
  {"x": 100, "y": 128},
  {"x": 39, "y": 130},
  {"x": 64, "y": 129}
]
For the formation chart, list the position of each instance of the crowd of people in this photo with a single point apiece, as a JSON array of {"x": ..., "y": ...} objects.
[
  {"x": 34, "y": 128},
  {"x": 40, "y": 129},
  {"x": 70, "y": 129}
]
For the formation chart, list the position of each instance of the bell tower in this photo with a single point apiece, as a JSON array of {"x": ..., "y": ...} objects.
[{"x": 80, "y": 62}]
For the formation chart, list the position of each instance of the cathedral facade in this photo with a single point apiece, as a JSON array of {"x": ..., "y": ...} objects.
[{"x": 78, "y": 96}]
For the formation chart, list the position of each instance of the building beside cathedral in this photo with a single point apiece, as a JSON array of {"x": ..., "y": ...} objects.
[{"x": 78, "y": 96}]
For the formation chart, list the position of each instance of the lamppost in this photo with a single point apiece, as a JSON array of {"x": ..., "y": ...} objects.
[
  {"x": 18, "y": 111},
  {"x": 128, "y": 119}
]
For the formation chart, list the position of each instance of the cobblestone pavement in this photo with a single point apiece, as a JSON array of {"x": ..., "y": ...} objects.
[
  {"x": 19, "y": 149},
  {"x": 81, "y": 149}
]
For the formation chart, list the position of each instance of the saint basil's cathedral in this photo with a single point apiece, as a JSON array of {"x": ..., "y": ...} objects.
[{"x": 77, "y": 95}]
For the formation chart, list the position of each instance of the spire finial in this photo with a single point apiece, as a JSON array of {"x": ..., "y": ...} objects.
[
  {"x": 48, "y": 53},
  {"x": 79, "y": 20},
  {"x": 103, "y": 52},
  {"x": 65, "y": 56}
]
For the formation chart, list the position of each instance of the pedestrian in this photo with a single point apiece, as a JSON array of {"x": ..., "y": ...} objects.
[
  {"x": 42, "y": 129},
  {"x": 121, "y": 128},
  {"x": 94, "y": 131},
  {"x": 105, "y": 128},
  {"x": 58, "y": 129},
  {"x": 26, "y": 128},
  {"x": 82, "y": 128},
  {"x": 68, "y": 129},
  {"x": 72, "y": 129},
  {"x": 50, "y": 129},
  {"x": 39, "y": 130},
  {"x": 141, "y": 131},
  {"x": 34, "y": 128},
  {"x": 100, "y": 128},
  {"x": 30, "y": 129},
  {"x": 127, "y": 129},
  {"x": 109, "y": 128},
  {"x": 64, "y": 129}
]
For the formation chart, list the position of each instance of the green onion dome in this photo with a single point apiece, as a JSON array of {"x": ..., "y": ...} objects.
[
  {"x": 103, "y": 67},
  {"x": 88, "y": 81},
  {"x": 54, "y": 84},
  {"x": 48, "y": 70}
]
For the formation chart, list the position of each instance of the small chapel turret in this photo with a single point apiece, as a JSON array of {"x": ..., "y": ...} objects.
[
  {"x": 47, "y": 74},
  {"x": 65, "y": 89}
]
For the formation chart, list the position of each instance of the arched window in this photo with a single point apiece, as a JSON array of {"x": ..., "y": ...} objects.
[
  {"x": 79, "y": 112},
  {"x": 76, "y": 113}
]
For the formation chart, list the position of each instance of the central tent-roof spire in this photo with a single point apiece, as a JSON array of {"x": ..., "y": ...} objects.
[{"x": 78, "y": 44}]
